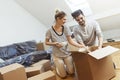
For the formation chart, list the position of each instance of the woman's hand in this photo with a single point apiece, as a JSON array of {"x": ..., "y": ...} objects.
[
  {"x": 57, "y": 44},
  {"x": 81, "y": 46}
]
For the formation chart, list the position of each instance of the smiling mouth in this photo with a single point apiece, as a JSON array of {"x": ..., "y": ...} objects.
[{"x": 81, "y": 22}]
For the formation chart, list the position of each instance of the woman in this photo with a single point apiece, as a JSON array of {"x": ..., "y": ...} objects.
[{"x": 58, "y": 36}]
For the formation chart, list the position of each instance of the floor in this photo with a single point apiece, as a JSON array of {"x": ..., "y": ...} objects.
[{"x": 116, "y": 60}]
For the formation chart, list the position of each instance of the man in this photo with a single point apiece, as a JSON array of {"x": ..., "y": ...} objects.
[{"x": 88, "y": 32}]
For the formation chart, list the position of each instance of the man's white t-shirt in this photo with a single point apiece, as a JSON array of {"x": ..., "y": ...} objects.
[{"x": 88, "y": 34}]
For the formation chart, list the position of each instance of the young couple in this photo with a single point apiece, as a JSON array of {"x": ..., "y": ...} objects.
[{"x": 86, "y": 33}]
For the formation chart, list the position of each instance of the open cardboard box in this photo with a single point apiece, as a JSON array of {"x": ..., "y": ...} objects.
[{"x": 89, "y": 67}]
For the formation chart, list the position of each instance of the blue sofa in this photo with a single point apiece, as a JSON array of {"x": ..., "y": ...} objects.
[{"x": 25, "y": 53}]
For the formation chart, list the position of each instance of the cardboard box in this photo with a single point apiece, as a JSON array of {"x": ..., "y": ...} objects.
[
  {"x": 117, "y": 77},
  {"x": 46, "y": 64},
  {"x": 89, "y": 68},
  {"x": 116, "y": 60},
  {"x": 32, "y": 71},
  {"x": 13, "y": 72},
  {"x": 42, "y": 46},
  {"x": 49, "y": 75}
]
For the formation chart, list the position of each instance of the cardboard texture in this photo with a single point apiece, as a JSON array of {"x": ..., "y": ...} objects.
[
  {"x": 32, "y": 71},
  {"x": 89, "y": 68},
  {"x": 13, "y": 72},
  {"x": 117, "y": 77},
  {"x": 42, "y": 46},
  {"x": 49, "y": 75},
  {"x": 116, "y": 60},
  {"x": 46, "y": 64}
]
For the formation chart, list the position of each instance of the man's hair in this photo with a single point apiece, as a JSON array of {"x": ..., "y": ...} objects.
[{"x": 77, "y": 13}]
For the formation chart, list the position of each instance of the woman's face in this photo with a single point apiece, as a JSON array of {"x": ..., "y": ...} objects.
[
  {"x": 81, "y": 20},
  {"x": 61, "y": 21}
]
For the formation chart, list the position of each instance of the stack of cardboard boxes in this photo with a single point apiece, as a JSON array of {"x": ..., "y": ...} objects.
[{"x": 18, "y": 72}]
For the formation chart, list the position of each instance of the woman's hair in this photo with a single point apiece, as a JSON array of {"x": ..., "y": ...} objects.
[
  {"x": 77, "y": 13},
  {"x": 59, "y": 14}
]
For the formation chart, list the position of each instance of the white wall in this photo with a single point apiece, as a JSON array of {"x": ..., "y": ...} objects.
[
  {"x": 113, "y": 34},
  {"x": 17, "y": 25},
  {"x": 107, "y": 13}
]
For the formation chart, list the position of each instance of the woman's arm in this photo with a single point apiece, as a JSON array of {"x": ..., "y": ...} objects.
[
  {"x": 48, "y": 42},
  {"x": 74, "y": 43}
]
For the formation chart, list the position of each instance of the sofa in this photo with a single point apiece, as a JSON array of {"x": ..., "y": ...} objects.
[{"x": 25, "y": 53}]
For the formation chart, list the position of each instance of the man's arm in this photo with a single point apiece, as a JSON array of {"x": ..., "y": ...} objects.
[
  {"x": 99, "y": 34},
  {"x": 100, "y": 39}
]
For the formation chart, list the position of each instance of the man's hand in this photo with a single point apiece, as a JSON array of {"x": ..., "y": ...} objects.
[
  {"x": 87, "y": 49},
  {"x": 99, "y": 47}
]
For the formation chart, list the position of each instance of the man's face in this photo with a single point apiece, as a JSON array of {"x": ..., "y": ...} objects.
[{"x": 81, "y": 20}]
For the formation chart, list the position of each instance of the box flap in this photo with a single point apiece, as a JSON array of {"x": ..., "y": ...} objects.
[
  {"x": 48, "y": 75},
  {"x": 35, "y": 68},
  {"x": 10, "y": 67},
  {"x": 103, "y": 52}
]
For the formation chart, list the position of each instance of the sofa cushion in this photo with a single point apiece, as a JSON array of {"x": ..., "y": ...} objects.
[
  {"x": 8, "y": 52},
  {"x": 40, "y": 55},
  {"x": 17, "y": 49},
  {"x": 26, "y": 47},
  {"x": 1, "y": 60},
  {"x": 27, "y": 59}
]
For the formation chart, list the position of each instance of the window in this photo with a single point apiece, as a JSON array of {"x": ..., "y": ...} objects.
[{"x": 80, "y": 4}]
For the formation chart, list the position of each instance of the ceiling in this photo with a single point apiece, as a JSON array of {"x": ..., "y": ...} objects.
[{"x": 44, "y": 11}]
